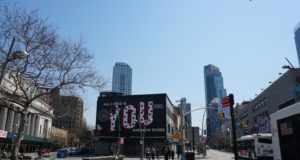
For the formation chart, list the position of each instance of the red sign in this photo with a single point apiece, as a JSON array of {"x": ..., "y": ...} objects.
[
  {"x": 202, "y": 139},
  {"x": 3, "y": 134},
  {"x": 225, "y": 101},
  {"x": 121, "y": 140}
]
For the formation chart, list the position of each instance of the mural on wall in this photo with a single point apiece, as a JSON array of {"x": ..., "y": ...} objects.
[
  {"x": 264, "y": 124},
  {"x": 129, "y": 115}
]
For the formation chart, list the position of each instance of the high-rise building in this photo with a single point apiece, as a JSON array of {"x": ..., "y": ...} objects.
[
  {"x": 214, "y": 91},
  {"x": 187, "y": 108},
  {"x": 297, "y": 41},
  {"x": 122, "y": 78}
]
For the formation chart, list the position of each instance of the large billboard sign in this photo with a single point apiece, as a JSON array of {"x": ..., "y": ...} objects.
[{"x": 129, "y": 116}]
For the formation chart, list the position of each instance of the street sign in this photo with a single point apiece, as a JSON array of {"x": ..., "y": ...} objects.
[
  {"x": 121, "y": 140},
  {"x": 176, "y": 135},
  {"x": 202, "y": 139},
  {"x": 3, "y": 134},
  {"x": 225, "y": 101}
]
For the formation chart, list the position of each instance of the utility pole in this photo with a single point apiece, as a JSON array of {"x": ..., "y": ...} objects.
[{"x": 231, "y": 99}]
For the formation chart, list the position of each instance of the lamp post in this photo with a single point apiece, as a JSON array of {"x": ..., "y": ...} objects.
[
  {"x": 10, "y": 57},
  {"x": 182, "y": 114}
]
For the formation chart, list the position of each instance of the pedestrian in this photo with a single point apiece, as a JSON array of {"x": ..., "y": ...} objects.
[
  {"x": 157, "y": 154},
  {"x": 38, "y": 155},
  {"x": 166, "y": 152},
  {"x": 178, "y": 151},
  {"x": 153, "y": 152},
  {"x": 147, "y": 153},
  {"x": 172, "y": 154}
]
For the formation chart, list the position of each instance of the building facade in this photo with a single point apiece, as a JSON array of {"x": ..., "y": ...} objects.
[
  {"x": 254, "y": 116},
  {"x": 59, "y": 137},
  {"x": 37, "y": 131},
  {"x": 135, "y": 118},
  {"x": 297, "y": 40},
  {"x": 122, "y": 78},
  {"x": 68, "y": 111},
  {"x": 214, "y": 91}
]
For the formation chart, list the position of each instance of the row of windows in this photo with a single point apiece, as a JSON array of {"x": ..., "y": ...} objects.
[
  {"x": 260, "y": 105},
  {"x": 244, "y": 115}
]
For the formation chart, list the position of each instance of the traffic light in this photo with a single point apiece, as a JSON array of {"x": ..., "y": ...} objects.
[
  {"x": 221, "y": 116},
  {"x": 244, "y": 124}
]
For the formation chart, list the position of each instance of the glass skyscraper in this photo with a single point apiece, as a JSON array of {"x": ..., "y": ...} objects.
[
  {"x": 297, "y": 41},
  {"x": 122, "y": 78},
  {"x": 187, "y": 108},
  {"x": 214, "y": 92}
]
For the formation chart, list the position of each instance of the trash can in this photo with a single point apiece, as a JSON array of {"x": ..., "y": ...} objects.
[
  {"x": 62, "y": 153},
  {"x": 190, "y": 156}
]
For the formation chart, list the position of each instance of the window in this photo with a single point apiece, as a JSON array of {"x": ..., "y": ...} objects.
[{"x": 265, "y": 140}]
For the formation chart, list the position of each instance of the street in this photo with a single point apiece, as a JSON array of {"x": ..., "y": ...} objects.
[
  {"x": 211, "y": 155},
  {"x": 218, "y": 155}
]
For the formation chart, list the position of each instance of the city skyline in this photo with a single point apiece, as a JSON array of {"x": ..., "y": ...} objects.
[{"x": 167, "y": 43}]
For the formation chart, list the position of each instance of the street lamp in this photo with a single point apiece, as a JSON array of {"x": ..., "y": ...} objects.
[
  {"x": 10, "y": 57},
  {"x": 182, "y": 115},
  {"x": 286, "y": 67}
]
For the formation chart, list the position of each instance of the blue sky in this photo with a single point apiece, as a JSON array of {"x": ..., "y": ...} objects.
[{"x": 168, "y": 42}]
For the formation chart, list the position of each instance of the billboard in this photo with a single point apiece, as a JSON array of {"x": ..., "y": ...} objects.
[{"x": 131, "y": 116}]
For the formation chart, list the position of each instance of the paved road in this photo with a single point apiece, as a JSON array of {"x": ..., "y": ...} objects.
[
  {"x": 218, "y": 155},
  {"x": 211, "y": 155}
]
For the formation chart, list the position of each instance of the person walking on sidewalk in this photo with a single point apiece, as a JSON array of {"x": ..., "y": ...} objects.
[
  {"x": 172, "y": 154},
  {"x": 157, "y": 154},
  {"x": 147, "y": 153},
  {"x": 153, "y": 152},
  {"x": 166, "y": 152}
]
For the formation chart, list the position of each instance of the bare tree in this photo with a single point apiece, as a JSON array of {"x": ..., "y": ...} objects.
[{"x": 52, "y": 63}]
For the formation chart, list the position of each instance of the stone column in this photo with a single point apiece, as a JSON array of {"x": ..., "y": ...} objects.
[
  {"x": 10, "y": 121},
  {"x": 16, "y": 122},
  {"x": 32, "y": 125},
  {"x": 37, "y": 126},
  {"x": 3, "y": 117},
  {"x": 27, "y": 130}
]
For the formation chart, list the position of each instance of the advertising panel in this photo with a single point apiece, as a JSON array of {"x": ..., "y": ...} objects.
[
  {"x": 3, "y": 134},
  {"x": 131, "y": 116}
]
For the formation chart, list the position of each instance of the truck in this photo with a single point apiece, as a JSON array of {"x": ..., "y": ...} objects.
[{"x": 285, "y": 128}]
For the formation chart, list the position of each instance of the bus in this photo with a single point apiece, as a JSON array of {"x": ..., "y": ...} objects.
[
  {"x": 255, "y": 146},
  {"x": 285, "y": 127}
]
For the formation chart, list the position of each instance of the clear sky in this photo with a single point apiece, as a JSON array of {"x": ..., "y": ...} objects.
[{"x": 168, "y": 42}]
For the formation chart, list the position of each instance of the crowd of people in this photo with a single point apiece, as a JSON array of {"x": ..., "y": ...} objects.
[{"x": 152, "y": 153}]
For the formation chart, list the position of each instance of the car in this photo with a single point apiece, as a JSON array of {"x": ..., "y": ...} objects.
[
  {"x": 74, "y": 150},
  {"x": 62, "y": 153}
]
